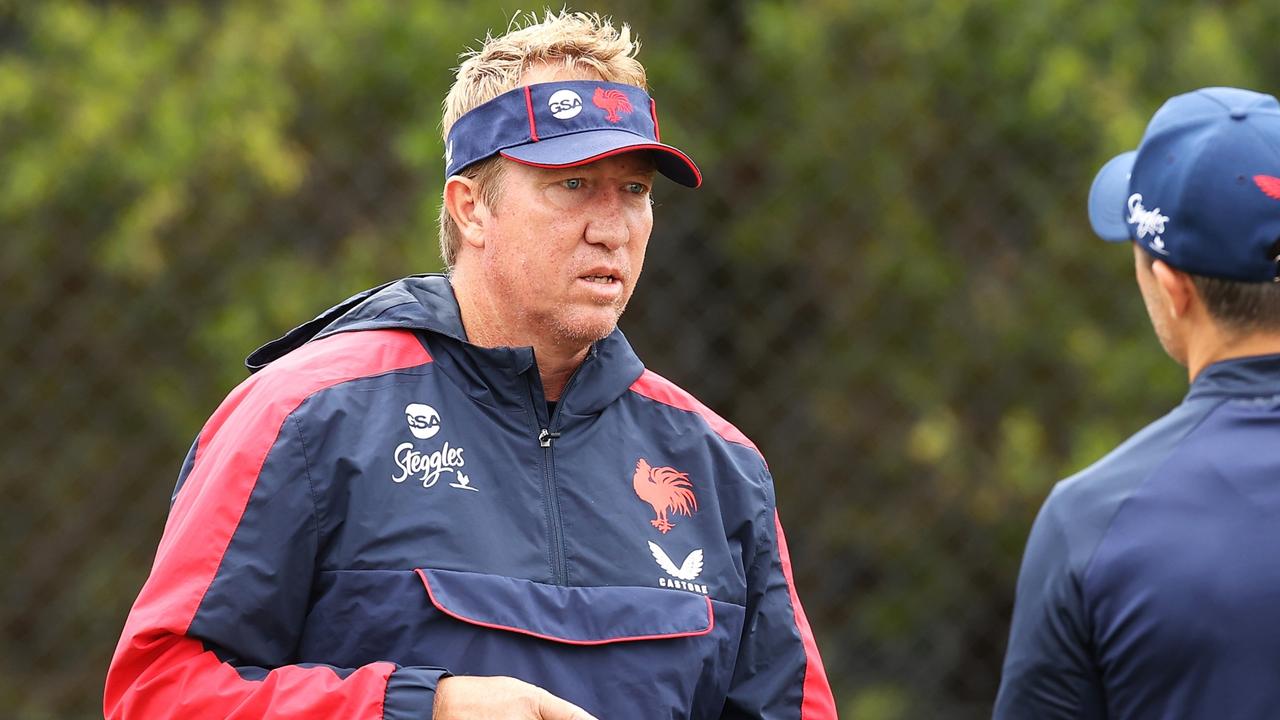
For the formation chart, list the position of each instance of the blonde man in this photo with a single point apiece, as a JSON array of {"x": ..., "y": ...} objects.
[{"x": 463, "y": 496}]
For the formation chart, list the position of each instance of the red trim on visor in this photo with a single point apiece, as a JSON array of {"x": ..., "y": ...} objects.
[
  {"x": 528, "y": 104},
  {"x": 711, "y": 624},
  {"x": 697, "y": 176},
  {"x": 817, "y": 702}
]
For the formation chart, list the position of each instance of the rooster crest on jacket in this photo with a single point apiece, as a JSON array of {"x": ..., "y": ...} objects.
[{"x": 667, "y": 490}]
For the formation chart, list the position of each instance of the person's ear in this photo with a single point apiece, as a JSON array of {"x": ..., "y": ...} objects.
[
  {"x": 469, "y": 213},
  {"x": 1178, "y": 289}
]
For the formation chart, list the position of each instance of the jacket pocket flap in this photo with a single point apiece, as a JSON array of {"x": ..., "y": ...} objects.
[{"x": 573, "y": 615}]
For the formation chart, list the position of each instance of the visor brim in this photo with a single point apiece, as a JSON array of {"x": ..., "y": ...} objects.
[
  {"x": 1109, "y": 196},
  {"x": 582, "y": 148}
]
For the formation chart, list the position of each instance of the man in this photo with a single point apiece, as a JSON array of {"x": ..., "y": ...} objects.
[
  {"x": 463, "y": 496},
  {"x": 1150, "y": 586}
]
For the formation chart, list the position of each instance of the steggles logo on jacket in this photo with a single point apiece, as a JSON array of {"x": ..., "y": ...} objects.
[
  {"x": 424, "y": 422},
  {"x": 667, "y": 490}
]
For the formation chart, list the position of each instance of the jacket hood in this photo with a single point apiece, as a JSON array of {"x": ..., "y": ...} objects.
[
  {"x": 417, "y": 302},
  {"x": 426, "y": 304}
]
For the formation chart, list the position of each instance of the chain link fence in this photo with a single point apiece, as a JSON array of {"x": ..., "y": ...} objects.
[{"x": 887, "y": 280}]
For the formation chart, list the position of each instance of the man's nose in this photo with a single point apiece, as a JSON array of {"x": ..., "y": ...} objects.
[{"x": 608, "y": 223}]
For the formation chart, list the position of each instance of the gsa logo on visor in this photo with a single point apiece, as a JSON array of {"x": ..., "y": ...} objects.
[{"x": 564, "y": 104}]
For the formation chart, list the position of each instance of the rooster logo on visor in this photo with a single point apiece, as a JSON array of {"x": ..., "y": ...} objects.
[{"x": 612, "y": 102}]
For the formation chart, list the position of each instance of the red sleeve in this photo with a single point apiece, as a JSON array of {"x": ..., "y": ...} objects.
[
  {"x": 778, "y": 674},
  {"x": 159, "y": 669},
  {"x": 817, "y": 702}
]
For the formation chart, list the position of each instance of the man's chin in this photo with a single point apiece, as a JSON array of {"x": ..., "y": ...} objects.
[{"x": 586, "y": 328}]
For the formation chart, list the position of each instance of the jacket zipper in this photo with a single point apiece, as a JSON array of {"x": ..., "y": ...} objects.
[
  {"x": 560, "y": 575},
  {"x": 546, "y": 439}
]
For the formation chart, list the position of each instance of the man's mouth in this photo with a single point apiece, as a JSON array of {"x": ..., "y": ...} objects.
[{"x": 601, "y": 279}]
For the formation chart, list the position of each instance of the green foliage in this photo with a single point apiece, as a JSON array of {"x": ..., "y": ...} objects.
[{"x": 889, "y": 269}]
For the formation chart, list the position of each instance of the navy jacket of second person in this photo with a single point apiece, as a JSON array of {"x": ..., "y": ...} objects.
[{"x": 1151, "y": 583}]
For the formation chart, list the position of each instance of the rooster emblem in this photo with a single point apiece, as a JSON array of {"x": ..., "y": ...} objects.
[
  {"x": 667, "y": 490},
  {"x": 612, "y": 102}
]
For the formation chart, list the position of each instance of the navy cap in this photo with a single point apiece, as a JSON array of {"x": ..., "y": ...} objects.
[
  {"x": 1202, "y": 191},
  {"x": 565, "y": 124}
]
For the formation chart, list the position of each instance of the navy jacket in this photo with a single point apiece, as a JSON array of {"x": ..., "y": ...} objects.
[
  {"x": 383, "y": 503},
  {"x": 1151, "y": 582}
]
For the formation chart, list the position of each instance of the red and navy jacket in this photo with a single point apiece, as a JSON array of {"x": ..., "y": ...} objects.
[{"x": 382, "y": 504}]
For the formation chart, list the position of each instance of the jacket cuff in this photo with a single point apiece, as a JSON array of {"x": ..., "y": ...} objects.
[{"x": 411, "y": 693}]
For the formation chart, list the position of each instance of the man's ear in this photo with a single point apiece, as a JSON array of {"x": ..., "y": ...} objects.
[
  {"x": 1178, "y": 289},
  {"x": 469, "y": 213}
]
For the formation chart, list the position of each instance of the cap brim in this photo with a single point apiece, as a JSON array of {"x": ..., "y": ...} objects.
[
  {"x": 1109, "y": 196},
  {"x": 587, "y": 147}
]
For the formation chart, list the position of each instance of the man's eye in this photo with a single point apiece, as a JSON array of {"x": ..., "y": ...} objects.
[
  {"x": 572, "y": 183},
  {"x": 637, "y": 188}
]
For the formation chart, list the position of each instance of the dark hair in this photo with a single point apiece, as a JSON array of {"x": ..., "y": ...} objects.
[{"x": 1242, "y": 307}]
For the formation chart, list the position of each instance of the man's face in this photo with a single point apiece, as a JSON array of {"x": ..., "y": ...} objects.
[
  {"x": 564, "y": 247},
  {"x": 1157, "y": 308}
]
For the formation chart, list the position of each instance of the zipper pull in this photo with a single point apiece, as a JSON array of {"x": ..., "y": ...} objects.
[{"x": 545, "y": 437}]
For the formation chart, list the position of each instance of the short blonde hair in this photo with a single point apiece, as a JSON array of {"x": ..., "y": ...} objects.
[{"x": 582, "y": 41}]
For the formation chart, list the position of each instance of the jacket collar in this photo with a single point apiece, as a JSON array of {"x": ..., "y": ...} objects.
[
  {"x": 1253, "y": 376},
  {"x": 426, "y": 304}
]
